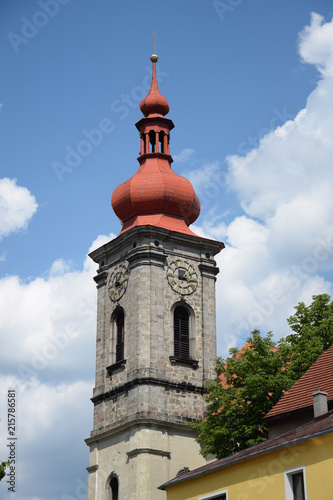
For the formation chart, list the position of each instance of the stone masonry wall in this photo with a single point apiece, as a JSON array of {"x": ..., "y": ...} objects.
[{"x": 148, "y": 306}]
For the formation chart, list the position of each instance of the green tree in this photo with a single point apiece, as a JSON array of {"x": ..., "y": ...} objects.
[
  {"x": 3, "y": 466},
  {"x": 312, "y": 328},
  {"x": 255, "y": 378}
]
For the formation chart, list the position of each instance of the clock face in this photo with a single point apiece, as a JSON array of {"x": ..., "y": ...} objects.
[
  {"x": 182, "y": 277},
  {"x": 118, "y": 282}
]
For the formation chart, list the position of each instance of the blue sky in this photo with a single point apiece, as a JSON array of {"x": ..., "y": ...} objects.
[{"x": 250, "y": 90}]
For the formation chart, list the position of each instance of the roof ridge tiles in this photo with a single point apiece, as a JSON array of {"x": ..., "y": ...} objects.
[{"x": 299, "y": 396}]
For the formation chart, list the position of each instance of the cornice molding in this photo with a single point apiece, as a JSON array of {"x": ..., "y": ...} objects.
[
  {"x": 150, "y": 451},
  {"x": 141, "y": 423},
  {"x": 177, "y": 386}
]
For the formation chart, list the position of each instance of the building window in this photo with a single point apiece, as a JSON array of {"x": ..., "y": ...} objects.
[
  {"x": 183, "y": 336},
  {"x": 117, "y": 341},
  {"x": 294, "y": 482},
  {"x": 182, "y": 471},
  {"x": 298, "y": 486},
  {"x": 181, "y": 329},
  {"x": 221, "y": 495},
  {"x": 119, "y": 323},
  {"x": 114, "y": 488}
]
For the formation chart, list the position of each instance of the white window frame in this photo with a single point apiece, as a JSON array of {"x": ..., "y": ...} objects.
[
  {"x": 215, "y": 495},
  {"x": 288, "y": 485}
]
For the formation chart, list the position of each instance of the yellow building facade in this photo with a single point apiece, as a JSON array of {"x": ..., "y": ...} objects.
[{"x": 268, "y": 471}]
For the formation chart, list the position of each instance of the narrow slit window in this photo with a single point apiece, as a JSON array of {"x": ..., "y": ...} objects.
[
  {"x": 152, "y": 140},
  {"x": 161, "y": 139},
  {"x": 120, "y": 336}
]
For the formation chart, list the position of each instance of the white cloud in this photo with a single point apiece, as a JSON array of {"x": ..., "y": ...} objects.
[
  {"x": 208, "y": 180},
  {"x": 56, "y": 316},
  {"x": 316, "y": 44},
  {"x": 212, "y": 228},
  {"x": 17, "y": 206},
  {"x": 56, "y": 418},
  {"x": 59, "y": 267},
  {"x": 184, "y": 155},
  {"x": 49, "y": 327},
  {"x": 210, "y": 185},
  {"x": 48, "y": 320},
  {"x": 277, "y": 253},
  {"x": 101, "y": 240}
]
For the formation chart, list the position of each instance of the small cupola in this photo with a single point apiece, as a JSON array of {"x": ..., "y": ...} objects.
[{"x": 154, "y": 103}]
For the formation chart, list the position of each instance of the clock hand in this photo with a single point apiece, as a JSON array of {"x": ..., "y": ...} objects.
[{"x": 187, "y": 276}]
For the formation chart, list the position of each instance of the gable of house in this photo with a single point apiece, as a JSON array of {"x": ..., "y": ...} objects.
[{"x": 295, "y": 408}]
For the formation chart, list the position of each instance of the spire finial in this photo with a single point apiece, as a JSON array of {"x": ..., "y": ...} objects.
[
  {"x": 153, "y": 42},
  {"x": 154, "y": 57}
]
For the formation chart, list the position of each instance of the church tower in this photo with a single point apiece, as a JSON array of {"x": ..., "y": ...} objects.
[{"x": 156, "y": 334}]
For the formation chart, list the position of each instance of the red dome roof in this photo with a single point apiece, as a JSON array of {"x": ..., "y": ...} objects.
[
  {"x": 156, "y": 195},
  {"x": 156, "y": 189}
]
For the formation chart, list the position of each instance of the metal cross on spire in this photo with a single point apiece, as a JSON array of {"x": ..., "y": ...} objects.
[{"x": 153, "y": 42}]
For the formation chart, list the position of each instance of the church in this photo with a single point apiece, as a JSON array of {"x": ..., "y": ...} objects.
[{"x": 156, "y": 325}]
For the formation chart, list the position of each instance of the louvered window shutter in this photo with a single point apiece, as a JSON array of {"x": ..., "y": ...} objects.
[
  {"x": 181, "y": 333},
  {"x": 120, "y": 336}
]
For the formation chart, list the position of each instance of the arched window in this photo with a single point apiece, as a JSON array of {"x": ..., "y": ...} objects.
[
  {"x": 117, "y": 340},
  {"x": 181, "y": 332},
  {"x": 119, "y": 331},
  {"x": 114, "y": 488},
  {"x": 162, "y": 141},
  {"x": 152, "y": 140}
]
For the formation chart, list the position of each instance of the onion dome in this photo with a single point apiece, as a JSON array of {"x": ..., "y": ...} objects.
[
  {"x": 154, "y": 103},
  {"x": 156, "y": 195}
]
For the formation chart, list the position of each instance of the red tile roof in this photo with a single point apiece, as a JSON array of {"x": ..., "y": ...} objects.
[
  {"x": 221, "y": 375},
  {"x": 299, "y": 396},
  {"x": 316, "y": 428}
]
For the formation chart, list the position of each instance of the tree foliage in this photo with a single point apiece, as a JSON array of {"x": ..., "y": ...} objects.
[
  {"x": 3, "y": 466},
  {"x": 312, "y": 328},
  {"x": 254, "y": 380},
  {"x": 256, "y": 377}
]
